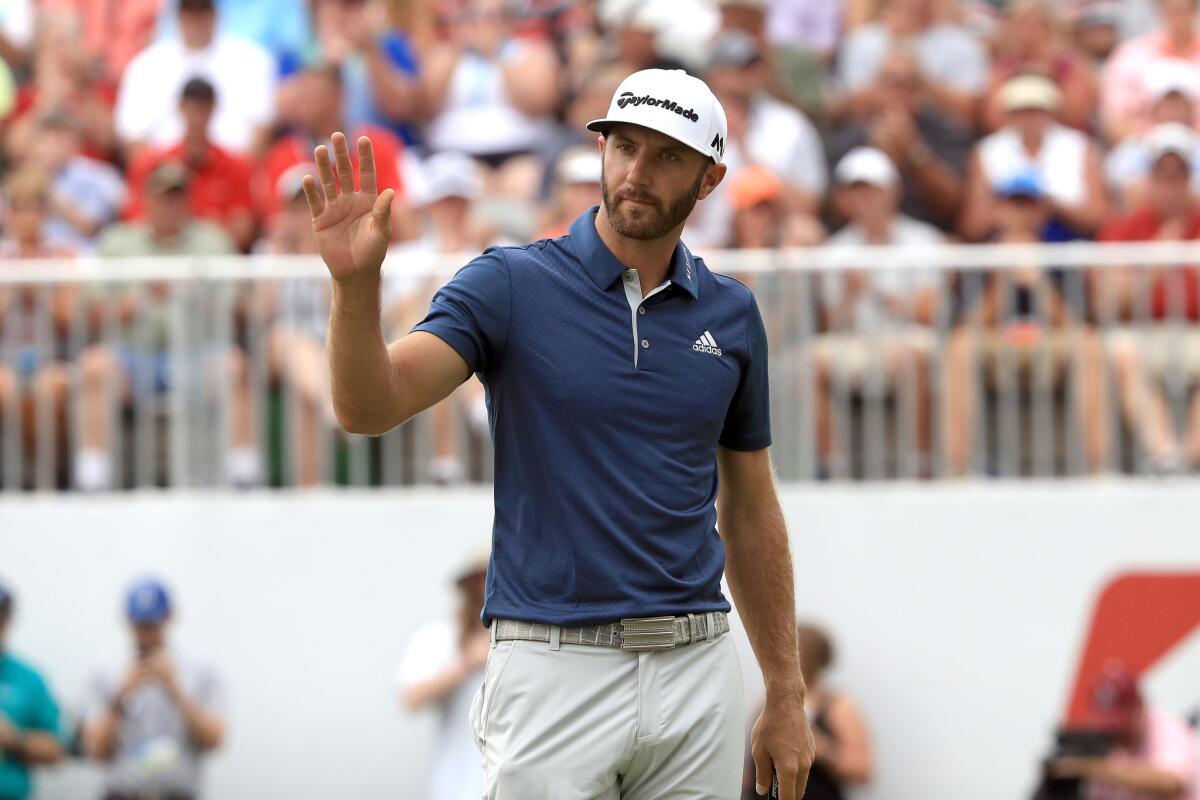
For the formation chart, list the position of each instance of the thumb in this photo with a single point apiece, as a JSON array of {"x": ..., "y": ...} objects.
[{"x": 381, "y": 212}]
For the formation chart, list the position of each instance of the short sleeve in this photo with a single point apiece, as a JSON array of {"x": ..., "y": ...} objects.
[
  {"x": 748, "y": 420},
  {"x": 209, "y": 691},
  {"x": 471, "y": 313},
  {"x": 45, "y": 716},
  {"x": 431, "y": 652}
]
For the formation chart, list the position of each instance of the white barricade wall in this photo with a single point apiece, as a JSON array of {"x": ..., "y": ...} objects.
[{"x": 958, "y": 612}]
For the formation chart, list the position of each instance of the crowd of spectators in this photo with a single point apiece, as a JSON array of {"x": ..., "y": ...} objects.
[{"x": 163, "y": 127}]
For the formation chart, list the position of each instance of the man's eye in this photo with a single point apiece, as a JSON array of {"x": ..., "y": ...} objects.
[{"x": 670, "y": 156}]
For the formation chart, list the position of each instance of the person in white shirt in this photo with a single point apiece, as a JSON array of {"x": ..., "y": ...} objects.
[
  {"x": 878, "y": 325},
  {"x": 242, "y": 72},
  {"x": 441, "y": 669}
]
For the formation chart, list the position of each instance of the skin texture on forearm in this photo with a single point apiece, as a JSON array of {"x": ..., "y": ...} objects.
[
  {"x": 100, "y": 737},
  {"x": 1139, "y": 777},
  {"x": 205, "y": 729},
  {"x": 758, "y": 565},
  {"x": 363, "y": 380},
  {"x": 435, "y": 690}
]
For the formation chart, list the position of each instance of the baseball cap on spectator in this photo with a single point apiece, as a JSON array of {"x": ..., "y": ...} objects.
[
  {"x": 673, "y": 103},
  {"x": 579, "y": 165},
  {"x": 753, "y": 185},
  {"x": 866, "y": 165},
  {"x": 199, "y": 90},
  {"x": 757, "y": 4},
  {"x": 6, "y": 601},
  {"x": 1115, "y": 698},
  {"x": 450, "y": 175},
  {"x": 147, "y": 602},
  {"x": 475, "y": 562},
  {"x": 1171, "y": 76},
  {"x": 1097, "y": 13},
  {"x": 290, "y": 182},
  {"x": 1171, "y": 138},
  {"x": 169, "y": 176},
  {"x": 197, "y": 5},
  {"x": 733, "y": 48},
  {"x": 1022, "y": 183},
  {"x": 1029, "y": 92}
]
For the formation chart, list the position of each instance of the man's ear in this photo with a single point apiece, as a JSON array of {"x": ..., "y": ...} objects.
[
  {"x": 600, "y": 143},
  {"x": 713, "y": 175}
]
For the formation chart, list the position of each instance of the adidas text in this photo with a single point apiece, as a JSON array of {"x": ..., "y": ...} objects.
[{"x": 703, "y": 348}]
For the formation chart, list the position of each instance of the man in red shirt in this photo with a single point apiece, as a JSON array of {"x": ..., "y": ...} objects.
[
  {"x": 1156, "y": 310},
  {"x": 219, "y": 185},
  {"x": 314, "y": 121}
]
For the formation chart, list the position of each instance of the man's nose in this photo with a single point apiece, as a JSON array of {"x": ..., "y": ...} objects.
[{"x": 638, "y": 174}]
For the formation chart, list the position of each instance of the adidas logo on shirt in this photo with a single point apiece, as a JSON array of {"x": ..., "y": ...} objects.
[{"x": 707, "y": 344}]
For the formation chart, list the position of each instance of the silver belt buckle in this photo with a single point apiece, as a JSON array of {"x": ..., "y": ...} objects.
[{"x": 648, "y": 633}]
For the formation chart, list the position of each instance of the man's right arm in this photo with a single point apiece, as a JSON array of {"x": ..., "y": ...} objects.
[{"x": 377, "y": 386}]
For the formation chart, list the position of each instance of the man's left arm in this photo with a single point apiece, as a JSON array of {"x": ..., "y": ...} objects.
[
  {"x": 1141, "y": 777},
  {"x": 758, "y": 566}
]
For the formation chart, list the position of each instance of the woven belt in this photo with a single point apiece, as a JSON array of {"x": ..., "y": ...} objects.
[{"x": 643, "y": 633}]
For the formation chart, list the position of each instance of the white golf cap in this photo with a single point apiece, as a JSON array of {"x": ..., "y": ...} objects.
[
  {"x": 1171, "y": 138},
  {"x": 673, "y": 103},
  {"x": 579, "y": 165},
  {"x": 450, "y": 174},
  {"x": 1169, "y": 76},
  {"x": 866, "y": 165},
  {"x": 1030, "y": 92}
]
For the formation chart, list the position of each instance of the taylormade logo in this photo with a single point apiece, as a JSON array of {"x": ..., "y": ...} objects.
[{"x": 629, "y": 99}]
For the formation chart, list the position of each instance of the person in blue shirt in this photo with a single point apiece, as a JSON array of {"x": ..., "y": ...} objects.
[
  {"x": 625, "y": 383},
  {"x": 29, "y": 723}
]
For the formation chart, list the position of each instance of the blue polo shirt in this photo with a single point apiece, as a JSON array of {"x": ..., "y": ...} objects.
[{"x": 606, "y": 411}]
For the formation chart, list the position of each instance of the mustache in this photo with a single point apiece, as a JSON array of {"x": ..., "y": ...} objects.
[{"x": 645, "y": 198}]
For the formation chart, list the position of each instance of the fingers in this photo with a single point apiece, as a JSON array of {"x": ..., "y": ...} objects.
[
  {"x": 316, "y": 202},
  {"x": 325, "y": 173},
  {"x": 382, "y": 212},
  {"x": 801, "y": 783},
  {"x": 367, "y": 182},
  {"x": 341, "y": 158},
  {"x": 762, "y": 770}
]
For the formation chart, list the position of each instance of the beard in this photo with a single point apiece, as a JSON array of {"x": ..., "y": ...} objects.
[{"x": 648, "y": 221}]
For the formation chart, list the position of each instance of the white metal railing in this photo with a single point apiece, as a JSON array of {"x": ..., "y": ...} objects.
[{"x": 887, "y": 362}]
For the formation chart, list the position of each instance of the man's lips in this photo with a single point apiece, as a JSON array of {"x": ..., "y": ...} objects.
[{"x": 640, "y": 201}]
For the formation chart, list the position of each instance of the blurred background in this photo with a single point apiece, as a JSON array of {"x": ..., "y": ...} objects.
[{"x": 971, "y": 226}]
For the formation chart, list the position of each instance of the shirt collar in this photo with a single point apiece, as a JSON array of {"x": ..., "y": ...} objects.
[{"x": 605, "y": 269}]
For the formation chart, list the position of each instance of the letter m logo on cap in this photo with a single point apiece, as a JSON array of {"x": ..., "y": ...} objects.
[{"x": 718, "y": 144}]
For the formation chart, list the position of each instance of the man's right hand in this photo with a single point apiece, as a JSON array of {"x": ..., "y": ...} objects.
[{"x": 352, "y": 228}]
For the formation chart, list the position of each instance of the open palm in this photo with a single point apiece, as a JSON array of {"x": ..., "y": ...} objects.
[{"x": 352, "y": 228}]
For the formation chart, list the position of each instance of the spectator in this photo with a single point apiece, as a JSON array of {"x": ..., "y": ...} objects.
[
  {"x": 1124, "y": 90},
  {"x": 878, "y": 324},
  {"x": 1033, "y": 44},
  {"x": 443, "y": 669},
  {"x": 151, "y": 719},
  {"x": 64, "y": 78},
  {"x": 756, "y": 196},
  {"x": 296, "y": 345},
  {"x": 1155, "y": 753},
  {"x": 218, "y": 181},
  {"x": 29, "y": 723},
  {"x": 492, "y": 96},
  {"x": 242, "y": 73},
  {"x": 34, "y": 324},
  {"x": 1156, "y": 309},
  {"x": 810, "y": 26},
  {"x": 111, "y": 33},
  {"x": 451, "y": 191},
  {"x": 85, "y": 194},
  {"x": 927, "y": 145},
  {"x": 319, "y": 116},
  {"x": 636, "y": 30},
  {"x": 16, "y": 31},
  {"x": 1067, "y": 163},
  {"x": 1022, "y": 323},
  {"x": 1095, "y": 29},
  {"x": 141, "y": 356},
  {"x": 1172, "y": 93},
  {"x": 281, "y": 27},
  {"x": 576, "y": 189},
  {"x": 761, "y": 130},
  {"x": 379, "y": 63},
  {"x": 953, "y": 62}
]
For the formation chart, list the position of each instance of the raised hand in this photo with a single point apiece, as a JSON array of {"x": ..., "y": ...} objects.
[{"x": 352, "y": 228}]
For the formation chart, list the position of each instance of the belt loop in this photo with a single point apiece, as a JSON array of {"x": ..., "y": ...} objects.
[
  {"x": 495, "y": 624},
  {"x": 710, "y": 618},
  {"x": 555, "y": 637}
]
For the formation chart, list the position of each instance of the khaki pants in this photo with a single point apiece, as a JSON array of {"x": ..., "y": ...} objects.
[{"x": 597, "y": 723}]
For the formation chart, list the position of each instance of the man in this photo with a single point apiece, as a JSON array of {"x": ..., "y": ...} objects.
[
  {"x": 143, "y": 343},
  {"x": 1172, "y": 90},
  {"x": 243, "y": 74},
  {"x": 926, "y": 144},
  {"x": 153, "y": 719},
  {"x": 442, "y": 668},
  {"x": 219, "y": 181},
  {"x": 29, "y": 724},
  {"x": 878, "y": 325},
  {"x": 622, "y": 377},
  {"x": 1156, "y": 309},
  {"x": 1154, "y": 757}
]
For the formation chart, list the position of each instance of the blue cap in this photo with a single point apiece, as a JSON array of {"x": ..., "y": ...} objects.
[
  {"x": 1025, "y": 183},
  {"x": 147, "y": 602}
]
